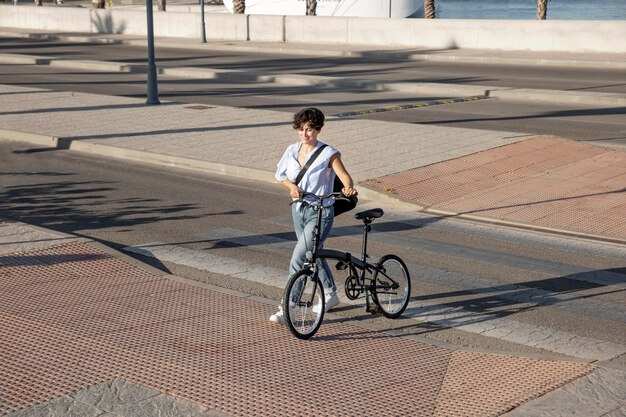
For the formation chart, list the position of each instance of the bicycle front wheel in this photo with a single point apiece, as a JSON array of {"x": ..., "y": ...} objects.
[
  {"x": 391, "y": 286},
  {"x": 303, "y": 304}
]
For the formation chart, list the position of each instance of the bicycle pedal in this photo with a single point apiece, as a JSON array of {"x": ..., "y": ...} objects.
[
  {"x": 341, "y": 265},
  {"x": 373, "y": 309}
]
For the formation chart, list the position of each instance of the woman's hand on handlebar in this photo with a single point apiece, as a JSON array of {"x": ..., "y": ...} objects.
[
  {"x": 295, "y": 191},
  {"x": 349, "y": 191},
  {"x": 320, "y": 198}
]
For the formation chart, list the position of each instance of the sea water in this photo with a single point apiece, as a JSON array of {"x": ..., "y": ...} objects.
[{"x": 527, "y": 9}]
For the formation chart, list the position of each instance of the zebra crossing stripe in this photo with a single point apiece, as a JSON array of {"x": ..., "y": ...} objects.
[{"x": 209, "y": 262}]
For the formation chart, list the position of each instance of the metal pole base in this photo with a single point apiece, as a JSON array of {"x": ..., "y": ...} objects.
[{"x": 153, "y": 91}]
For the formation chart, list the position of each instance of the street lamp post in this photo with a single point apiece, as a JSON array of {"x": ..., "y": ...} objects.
[
  {"x": 153, "y": 91},
  {"x": 202, "y": 29}
]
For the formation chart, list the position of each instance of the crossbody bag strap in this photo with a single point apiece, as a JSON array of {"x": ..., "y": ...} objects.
[{"x": 308, "y": 164}]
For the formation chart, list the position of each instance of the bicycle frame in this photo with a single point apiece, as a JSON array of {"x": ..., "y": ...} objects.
[
  {"x": 353, "y": 263},
  {"x": 358, "y": 267}
]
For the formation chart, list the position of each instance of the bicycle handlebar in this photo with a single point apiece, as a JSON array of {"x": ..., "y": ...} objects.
[{"x": 337, "y": 194}]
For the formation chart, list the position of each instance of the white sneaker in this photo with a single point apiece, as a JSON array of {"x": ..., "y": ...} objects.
[
  {"x": 278, "y": 317},
  {"x": 331, "y": 300}
]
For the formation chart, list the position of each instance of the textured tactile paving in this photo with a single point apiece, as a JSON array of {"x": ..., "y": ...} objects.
[
  {"x": 544, "y": 181},
  {"x": 73, "y": 317}
]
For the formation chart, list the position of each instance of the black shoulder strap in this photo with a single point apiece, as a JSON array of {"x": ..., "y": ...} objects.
[{"x": 308, "y": 163}]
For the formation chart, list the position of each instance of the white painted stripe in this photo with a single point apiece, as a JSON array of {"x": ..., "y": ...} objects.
[
  {"x": 206, "y": 261},
  {"x": 479, "y": 323}
]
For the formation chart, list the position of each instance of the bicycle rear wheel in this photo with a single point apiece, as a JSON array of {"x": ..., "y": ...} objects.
[
  {"x": 303, "y": 304},
  {"x": 391, "y": 286}
]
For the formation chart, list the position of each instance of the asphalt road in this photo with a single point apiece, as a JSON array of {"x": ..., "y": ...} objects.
[
  {"x": 578, "y": 122},
  {"x": 481, "y": 275},
  {"x": 579, "y": 79}
]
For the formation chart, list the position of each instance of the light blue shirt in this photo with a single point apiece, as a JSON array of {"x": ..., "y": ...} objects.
[{"x": 319, "y": 179}]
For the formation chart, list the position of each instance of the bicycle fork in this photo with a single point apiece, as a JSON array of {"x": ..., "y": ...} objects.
[{"x": 311, "y": 265}]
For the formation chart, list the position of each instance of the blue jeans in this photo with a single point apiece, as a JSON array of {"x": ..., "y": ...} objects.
[{"x": 304, "y": 219}]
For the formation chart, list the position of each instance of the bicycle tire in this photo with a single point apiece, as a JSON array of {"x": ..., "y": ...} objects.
[
  {"x": 391, "y": 271},
  {"x": 303, "y": 304}
]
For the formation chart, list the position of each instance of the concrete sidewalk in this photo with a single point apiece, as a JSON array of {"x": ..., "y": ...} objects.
[
  {"x": 538, "y": 182},
  {"x": 89, "y": 332}
]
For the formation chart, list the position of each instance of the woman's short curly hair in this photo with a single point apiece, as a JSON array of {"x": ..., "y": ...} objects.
[{"x": 314, "y": 117}]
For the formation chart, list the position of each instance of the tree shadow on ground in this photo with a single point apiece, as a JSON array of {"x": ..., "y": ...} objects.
[{"x": 74, "y": 206}]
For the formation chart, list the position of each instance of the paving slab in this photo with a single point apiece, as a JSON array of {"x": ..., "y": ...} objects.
[
  {"x": 545, "y": 182},
  {"x": 223, "y": 135},
  {"x": 104, "y": 335},
  {"x": 586, "y": 396}
]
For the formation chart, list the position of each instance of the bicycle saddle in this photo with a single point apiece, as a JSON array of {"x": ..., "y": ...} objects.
[{"x": 370, "y": 214}]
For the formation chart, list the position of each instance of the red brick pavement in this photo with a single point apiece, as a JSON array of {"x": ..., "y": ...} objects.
[
  {"x": 72, "y": 316},
  {"x": 543, "y": 181}
]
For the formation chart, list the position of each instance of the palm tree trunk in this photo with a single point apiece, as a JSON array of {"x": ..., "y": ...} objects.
[
  {"x": 429, "y": 9},
  {"x": 542, "y": 9},
  {"x": 162, "y": 5},
  {"x": 311, "y": 7},
  {"x": 239, "y": 6}
]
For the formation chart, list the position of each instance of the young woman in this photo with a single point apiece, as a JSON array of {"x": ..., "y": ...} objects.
[{"x": 318, "y": 179}]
